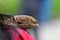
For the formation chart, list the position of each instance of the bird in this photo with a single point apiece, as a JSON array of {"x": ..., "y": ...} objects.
[
  {"x": 8, "y": 24},
  {"x": 22, "y": 21}
]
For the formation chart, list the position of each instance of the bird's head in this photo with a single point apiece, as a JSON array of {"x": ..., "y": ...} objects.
[{"x": 25, "y": 21}]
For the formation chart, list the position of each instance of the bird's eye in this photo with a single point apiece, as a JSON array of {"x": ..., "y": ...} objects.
[{"x": 34, "y": 21}]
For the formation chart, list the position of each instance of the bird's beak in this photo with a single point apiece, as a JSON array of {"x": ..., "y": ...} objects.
[{"x": 37, "y": 25}]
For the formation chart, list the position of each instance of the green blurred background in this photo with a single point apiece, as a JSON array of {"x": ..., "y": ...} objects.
[{"x": 9, "y": 6}]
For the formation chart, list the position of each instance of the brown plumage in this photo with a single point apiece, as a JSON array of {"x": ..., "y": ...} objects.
[{"x": 22, "y": 21}]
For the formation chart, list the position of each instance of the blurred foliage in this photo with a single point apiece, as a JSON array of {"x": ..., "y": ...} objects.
[
  {"x": 56, "y": 8},
  {"x": 9, "y": 6}
]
